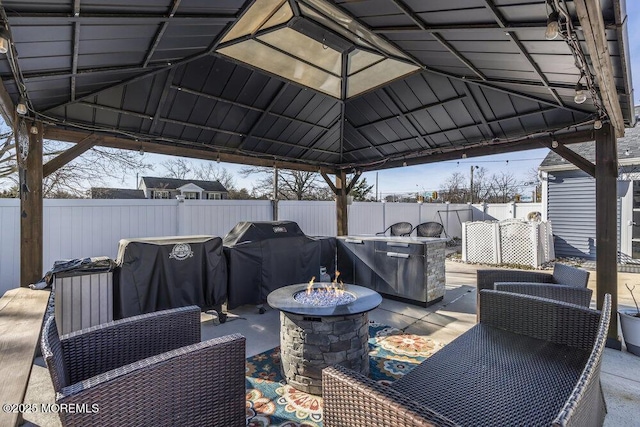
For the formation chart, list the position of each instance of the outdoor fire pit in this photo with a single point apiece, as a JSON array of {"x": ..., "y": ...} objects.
[{"x": 320, "y": 328}]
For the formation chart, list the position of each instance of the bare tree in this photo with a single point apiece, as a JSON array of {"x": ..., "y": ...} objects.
[
  {"x": 211, "y": 171},
  {"x": 177, "y": 168},
  {"x": 503, "y": 187},
  {"x": 292, "y": 184},
  {"x": 533, "y": 179},
  {"x": 7, "y": 155},
  {"x": 481, "y": 184},
  {"x": 455, "y": 189},
  {"x": 93, "y": 168}
]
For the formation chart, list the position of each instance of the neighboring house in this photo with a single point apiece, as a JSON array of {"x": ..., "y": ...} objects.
[
  {"x": 170, "y": 188},
  {"x": 116, "y": 193},
  {"x": 569, "y": 200}
]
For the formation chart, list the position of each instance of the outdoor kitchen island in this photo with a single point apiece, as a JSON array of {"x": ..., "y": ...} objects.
[{"x": 407, "y": 268}]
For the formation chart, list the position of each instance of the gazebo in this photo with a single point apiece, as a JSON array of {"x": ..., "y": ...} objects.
[{"x": 338, "y": 87}]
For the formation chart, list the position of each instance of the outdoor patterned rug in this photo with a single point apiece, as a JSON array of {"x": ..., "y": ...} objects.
[{"x": 271, "y": 402}]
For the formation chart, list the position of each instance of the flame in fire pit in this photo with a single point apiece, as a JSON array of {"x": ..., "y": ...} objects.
[
  {"x": 334, "y": 287},
  {"x": 327, "y": 295}
]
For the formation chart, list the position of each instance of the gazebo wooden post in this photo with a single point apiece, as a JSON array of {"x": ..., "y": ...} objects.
[
  {"x": 341, "y": 189},
  {"x": 606, "y": 226},
  {"x": 31, "y": 215},
  {"x": 341, "y": 203}
]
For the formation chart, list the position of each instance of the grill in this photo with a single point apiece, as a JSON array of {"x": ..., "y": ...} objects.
[
  {"x": 265, "y": 256},
  {"x": 169, "y": 272}
]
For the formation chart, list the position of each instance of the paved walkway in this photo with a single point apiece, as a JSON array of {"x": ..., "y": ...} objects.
[{"x": 442, "y": 322}]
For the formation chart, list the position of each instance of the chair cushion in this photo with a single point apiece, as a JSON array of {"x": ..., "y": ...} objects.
[
  {"x": 498, "y": 378},
  {"x": 572, "y": 276}
]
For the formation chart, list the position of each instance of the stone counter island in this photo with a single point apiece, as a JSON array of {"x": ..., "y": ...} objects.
[{"x": 406, "y": 268}]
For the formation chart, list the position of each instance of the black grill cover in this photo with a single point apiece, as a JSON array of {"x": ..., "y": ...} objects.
[
  {"x": 328, "y": 254},
  {"x": 168, "y": 272},
  {"x": 265, "y": 256}
]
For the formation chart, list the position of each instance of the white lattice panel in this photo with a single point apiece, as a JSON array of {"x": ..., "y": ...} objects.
[
  {"x": 546, "y": 242},
  {"x": 519, "y": 242},
  {"x": 479, "y": 242},
  {"x": 511, "y": 241}
]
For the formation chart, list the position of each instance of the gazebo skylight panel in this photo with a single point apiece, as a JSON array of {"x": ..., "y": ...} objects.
[{"x": 315, "y": 44}]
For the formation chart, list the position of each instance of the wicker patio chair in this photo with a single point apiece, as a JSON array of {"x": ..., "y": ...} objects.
[
  {"x": 566, "y": 283},
  {"x": 429, "y": 229},
  {"x": 150, "y": 369},
  {"x": 398, "y": 229},
  {"x": 530, "y": 361}
]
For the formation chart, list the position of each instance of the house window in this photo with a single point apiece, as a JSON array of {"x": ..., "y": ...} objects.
[
  {"x": 213, "y": 196},
  {"x": 191, "y": 195},
  {"x": 160, "y": 194}
]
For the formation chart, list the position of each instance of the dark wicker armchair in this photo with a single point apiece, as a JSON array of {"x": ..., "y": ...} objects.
[
  {"x": 150, "y": 369},
  {"x": 566, "y": 283},
  {"x": 429, "y": 229},
  {"x": 398, "y": 229},
  {"x": 530, "y": 361}
]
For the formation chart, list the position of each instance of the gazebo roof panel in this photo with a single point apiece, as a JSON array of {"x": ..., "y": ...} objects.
[
  {"x": 204, "y": 6},
  {"x": 148, "y": 69}
]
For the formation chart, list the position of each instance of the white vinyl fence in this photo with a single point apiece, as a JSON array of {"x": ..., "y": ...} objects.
[{"x": 88, "y": 227}]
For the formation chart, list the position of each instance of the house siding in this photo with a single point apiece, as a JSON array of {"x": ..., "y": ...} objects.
[{"x": 572, "y": 212}]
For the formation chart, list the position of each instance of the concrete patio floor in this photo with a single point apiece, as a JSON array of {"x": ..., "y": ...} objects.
[{"x": 441, "y": 322}]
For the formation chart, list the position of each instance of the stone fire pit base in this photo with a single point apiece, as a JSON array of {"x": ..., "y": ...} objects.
[{"x": 309, "y": 344}]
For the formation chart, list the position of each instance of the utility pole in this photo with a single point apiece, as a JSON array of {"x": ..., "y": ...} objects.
[
  {"x": 471, "y": 186},
  {"x": 377, "y": 200},
  {"x": 275, "y": 193}
]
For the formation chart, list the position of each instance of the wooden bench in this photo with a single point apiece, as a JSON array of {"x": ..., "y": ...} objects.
[
  {"x": 530, "y": 361},
  {"x": 21, "y": 314}
]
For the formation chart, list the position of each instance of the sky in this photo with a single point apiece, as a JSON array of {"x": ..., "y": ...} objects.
[{"x": 430, "y": 177}]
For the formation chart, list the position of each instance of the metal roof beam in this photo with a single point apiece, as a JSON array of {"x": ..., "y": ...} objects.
[
  {"x": 412, "y": 111},
  {"x": 172, "y": 65},
  {"x": 116, "y": 110},
  {"x": 510, "y": 26},
  {"x": 485, "y": 84},
  {"x": 163, "y": 100},
  {"x": 33, "y": 19},
  {"x": 320, "y": 135},
  {"x": 265, "y": 112},
  {"x": 36, "y": 76},
  {"x": 160, "y": 33},
  {"x": 477, "y": 110},
  {"x": 420, "y": 23},
  {"x": 247, "y": 106},
  {"x": 415, "y": 129},
  {"x": 239, "y": 134},
  {"x": 503, "y": 24},
  {"x": 459, "y": 128},
  {"x": 565, "y": 86}
]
